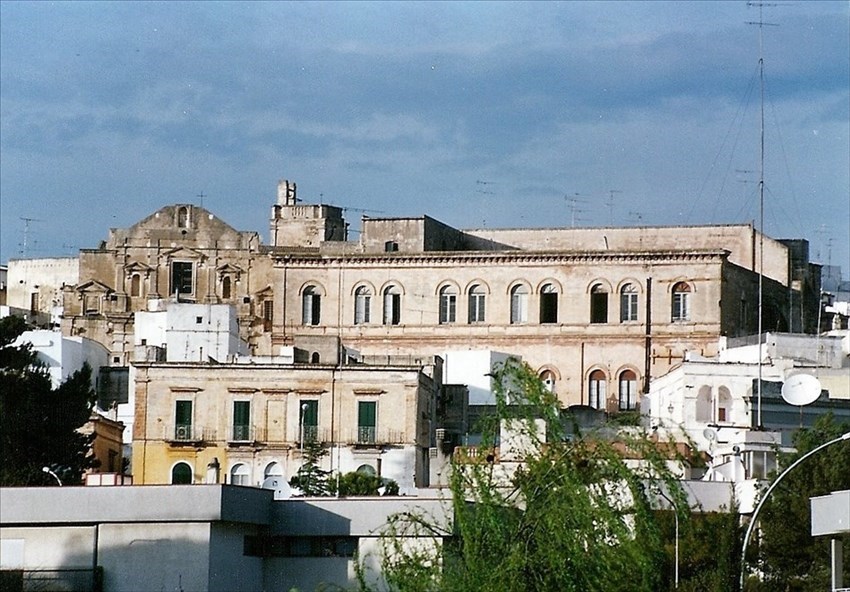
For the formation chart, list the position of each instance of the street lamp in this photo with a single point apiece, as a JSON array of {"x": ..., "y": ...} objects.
[
  {"x": 304, "y": 407},
  {"x": 676, "y": 519},
  {"x": 51, "y": 473},
  {"x": 767, "y": 493}
]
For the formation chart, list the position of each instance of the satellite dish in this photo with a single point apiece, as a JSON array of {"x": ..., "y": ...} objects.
[
  {"x": 281, "y": 488},
  {"x": 709, "y": 434},
  {"x": 801, "y": 389}
]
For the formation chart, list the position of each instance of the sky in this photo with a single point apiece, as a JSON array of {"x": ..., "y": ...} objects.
[{"x": 530, "y": 114}]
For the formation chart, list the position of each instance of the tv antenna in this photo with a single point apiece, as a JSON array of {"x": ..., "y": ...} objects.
[
  {"x": 484, "y": 190},
  {"x": 201, "y": 196},
  {"x": 573, "y": 201},
  {"x": 25, "y": 244},
  {"x": 611, "y": 193}
]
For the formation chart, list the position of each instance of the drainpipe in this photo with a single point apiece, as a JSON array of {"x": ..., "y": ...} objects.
[{"x": 647, "y": 357}]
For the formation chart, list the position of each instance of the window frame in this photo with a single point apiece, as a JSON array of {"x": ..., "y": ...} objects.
[
  {"x": 628, "y": 303},
  {"x": 597, "y": 390},
  {"x": 241, "y": 430},
  {"x": 448, "y": 305},
  {"x": 180, "y": 272},
  {"x": 598, "y": 304},
  {"x": 362, "y": 305},
  {"x": 477, "y": 304},
  {"x": 311, "y": 306},
  {"x": 627, "y": 393},
  {"x": 680, "y": 302},
  {"x": 519, "y": 304},
  {"x": 367, "y": 434},
  {"x": 391, "y": 305},
  {"x": 549, "y": 297}
]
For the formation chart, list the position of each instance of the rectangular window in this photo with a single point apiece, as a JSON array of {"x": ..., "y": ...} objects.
[
  {"x": 519, "y": 308},
  {"x": 181, "y": 277},
  {"x": 282, "y": 546},
  {"x": 681, "y": 306},
  {"x": 362, "y": 305},
  {"x": 628, "y": 306},
  {"x": 311, "y": 306},
  {"x": 476, "y": 308},
  {"x": 366, "y": 421},
  {"x": 268, "y": 314},
  {"x": 448, "y": 308},
  {"x": 34, "y": 303},
  {"x": 309, "y": 421},
  {"x": 549, "y": 307},
  {"x": 392, "y": 309},
  {"x": 241, "y": 421},
  {"x": 183, "y": 420},
  {"x": 599, "y": 307}
]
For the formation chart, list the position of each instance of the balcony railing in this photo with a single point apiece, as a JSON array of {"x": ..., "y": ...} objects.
[
  {"x": 242, "y": 433},
  {"x": 366, "y": 434},
  {"x": 188, "y": 433}
]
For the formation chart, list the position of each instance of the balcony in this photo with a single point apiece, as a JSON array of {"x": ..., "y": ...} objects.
[
  {"x": 187, "y": 434},
  {"x": 243, "y": 435},
  {"x": 372, "y": 436}
]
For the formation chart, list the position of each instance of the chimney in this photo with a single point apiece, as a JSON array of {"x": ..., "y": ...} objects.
[{"x": 286, "y": 193}]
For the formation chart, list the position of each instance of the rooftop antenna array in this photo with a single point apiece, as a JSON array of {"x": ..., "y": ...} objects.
[{"x": 573, "y": 201}]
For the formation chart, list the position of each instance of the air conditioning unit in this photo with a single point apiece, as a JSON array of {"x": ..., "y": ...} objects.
[{"x": 183, "y": 432}]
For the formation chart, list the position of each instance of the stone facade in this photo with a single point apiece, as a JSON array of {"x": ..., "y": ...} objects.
[{"x": 249, "y": 420}]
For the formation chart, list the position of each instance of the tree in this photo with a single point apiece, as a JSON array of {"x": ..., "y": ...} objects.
[
  {"x": 311, "y": 479},
  {"x": 787, "y": 555},
  {"x": 573, "y": 517},
  {"x": 364, "y": 484},
  {"x": 39, "y": 424}
]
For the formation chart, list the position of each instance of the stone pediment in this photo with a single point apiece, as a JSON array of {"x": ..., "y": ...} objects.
[
  {"x": 94, "y": 286},
  {"x": 265, "y": 292},
  {"x": 229, "y": 269},
  {"x": 183, "y": 253},
  {"x": 137, "y": 267}
]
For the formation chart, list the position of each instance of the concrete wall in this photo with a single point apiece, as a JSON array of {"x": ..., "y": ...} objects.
[{"x": 45, "y": 278}]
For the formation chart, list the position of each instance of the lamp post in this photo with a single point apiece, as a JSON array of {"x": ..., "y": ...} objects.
[
  {"x": 767, "y": 493},
  {"x": 676, "y": 519},
  {"x": 304, "y": 407},
  {"x": 52, "y": 474}
]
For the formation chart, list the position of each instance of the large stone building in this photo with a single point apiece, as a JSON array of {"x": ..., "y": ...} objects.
[{"x": 598, "y": 312}]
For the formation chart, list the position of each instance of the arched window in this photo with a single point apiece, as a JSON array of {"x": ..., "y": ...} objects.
[
  {"x": 477, "y": 298},
  {"x": 598, "y": 304},
  {"x": 392, "y": 305},
  {"x": 273, "y": 469},
  {"x": 311, "y": 306},
  {"x": 226, "y": 287},
  {"x": 362, "y": 305},
  {"x": 597, "y": 390},
  {"x": 681, "y": 302},
  {"x": 628, "y": 303},
  {"x": 315, "y": 358},
  {"x": 548, "y": 304},
  {"x": 240, "y": 474},
  {"x": 181, "y": 474},
  {"x": 183, "y": 217},
  {"x": 705, "y": 404},
  {"x": 547, "y": 377},
  {"x": 628, "y": 390},
  {"x": 724, "y": 405},
  {"x": 367, "y": 470},
  {"x": 448, "y": 305},
  {"x": 136, "y": 285},
  {"x": 519, "y": 304}
]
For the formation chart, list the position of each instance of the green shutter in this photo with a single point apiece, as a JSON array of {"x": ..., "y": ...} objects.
[{"x": 366, "y": 414}]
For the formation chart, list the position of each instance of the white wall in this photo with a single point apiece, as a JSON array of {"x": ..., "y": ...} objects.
[{"x": 472, "y": 368}]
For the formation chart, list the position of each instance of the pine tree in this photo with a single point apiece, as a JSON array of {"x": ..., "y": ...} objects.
[
  {"x": 38, "y": 424},
  {"x": 311, "y": 479}
]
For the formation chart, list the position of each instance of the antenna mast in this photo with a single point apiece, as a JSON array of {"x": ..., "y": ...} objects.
[{"x": 761, "y": 24}]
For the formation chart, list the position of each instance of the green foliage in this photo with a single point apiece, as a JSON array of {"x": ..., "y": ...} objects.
[
  {"x": 311, "y": 479},
  {"x": 572, "y": 517},
  {"x": 789, "y": 557},
  {"x": 38, "y": 424},
  {"x": 363, "y": 484}
]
